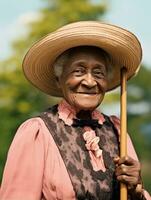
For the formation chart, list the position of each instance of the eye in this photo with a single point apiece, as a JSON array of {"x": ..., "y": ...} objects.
[
  {"x": 79, "y": 71},
  {"x": 99, "y": 73}
]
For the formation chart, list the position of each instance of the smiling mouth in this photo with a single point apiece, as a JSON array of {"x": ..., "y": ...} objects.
[{"x": 88, "y": 93}]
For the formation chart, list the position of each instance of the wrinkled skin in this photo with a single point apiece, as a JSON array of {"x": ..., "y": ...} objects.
[
  {"x": 128, "y": 171},
  {"x": 84, "y": 83},
  {"x": 84, "y": 79}
]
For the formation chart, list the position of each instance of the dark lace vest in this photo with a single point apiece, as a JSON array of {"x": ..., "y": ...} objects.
[{"x": 87, "y": 183}]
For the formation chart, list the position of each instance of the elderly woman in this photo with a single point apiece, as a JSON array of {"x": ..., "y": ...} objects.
[{"x": 71, "y": 151}]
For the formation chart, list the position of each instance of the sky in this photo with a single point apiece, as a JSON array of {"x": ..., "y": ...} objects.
[{"x": 134, "y": 15}]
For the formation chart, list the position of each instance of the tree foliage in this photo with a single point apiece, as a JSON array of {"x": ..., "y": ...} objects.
[
  {"x": 139, "y": 119},
  {"x": 19, "y": 100}
]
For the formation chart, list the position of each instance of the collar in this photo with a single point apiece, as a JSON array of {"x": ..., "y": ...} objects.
[{"x": 67, "y": 113}]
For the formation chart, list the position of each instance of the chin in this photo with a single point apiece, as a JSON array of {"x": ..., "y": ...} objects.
[
  {"x": 86, "y": 105},
  {"x": 91, "y": 108},
  {"x": 85, "y": 102}
]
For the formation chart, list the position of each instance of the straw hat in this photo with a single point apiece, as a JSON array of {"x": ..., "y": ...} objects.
[{"x": 122, "y": 46}]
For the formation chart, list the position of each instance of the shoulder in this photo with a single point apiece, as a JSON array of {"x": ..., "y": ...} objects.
[
  {"x": 115, "y": 119},
  {"x": 112, "y": 119},
  {"x": 116, "y": 122},
  {"x": 30, "y": 132},
  {"x": 31, "y": 125},
  {"x": 35, "y": 122}
]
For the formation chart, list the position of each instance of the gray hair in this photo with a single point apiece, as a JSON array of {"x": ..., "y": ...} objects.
[
  {"x": 60, "y": 63},
  {"x": 63, "y": 58}
]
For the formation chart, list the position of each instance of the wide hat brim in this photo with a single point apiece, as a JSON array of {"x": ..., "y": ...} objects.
[{"x": 123, "y": 47}]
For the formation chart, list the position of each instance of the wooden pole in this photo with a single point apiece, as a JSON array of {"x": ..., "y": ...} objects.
[{"x": 123, "y": 131}]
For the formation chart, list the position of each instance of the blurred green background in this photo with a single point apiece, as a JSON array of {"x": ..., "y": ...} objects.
[{"x": 19, "y": 100}]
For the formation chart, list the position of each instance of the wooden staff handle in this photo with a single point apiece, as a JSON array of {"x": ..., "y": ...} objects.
[{"x": 123, "y": 128}]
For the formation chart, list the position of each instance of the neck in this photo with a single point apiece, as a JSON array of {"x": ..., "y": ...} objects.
[{"x": 84, "y": 114}]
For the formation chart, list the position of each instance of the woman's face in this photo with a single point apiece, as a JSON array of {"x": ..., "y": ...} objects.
[{"x": 84, "y": 79}]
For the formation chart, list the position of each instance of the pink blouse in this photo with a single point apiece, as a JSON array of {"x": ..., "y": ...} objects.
[{"x": 35, "y": 170}]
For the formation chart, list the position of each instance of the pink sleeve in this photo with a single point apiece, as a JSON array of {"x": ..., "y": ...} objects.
[
  {"x": 23, "y": 173},
  {"x": 130, "y": 148}
]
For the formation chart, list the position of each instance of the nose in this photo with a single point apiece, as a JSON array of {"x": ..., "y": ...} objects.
[{"x": 89, "y": 81}]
